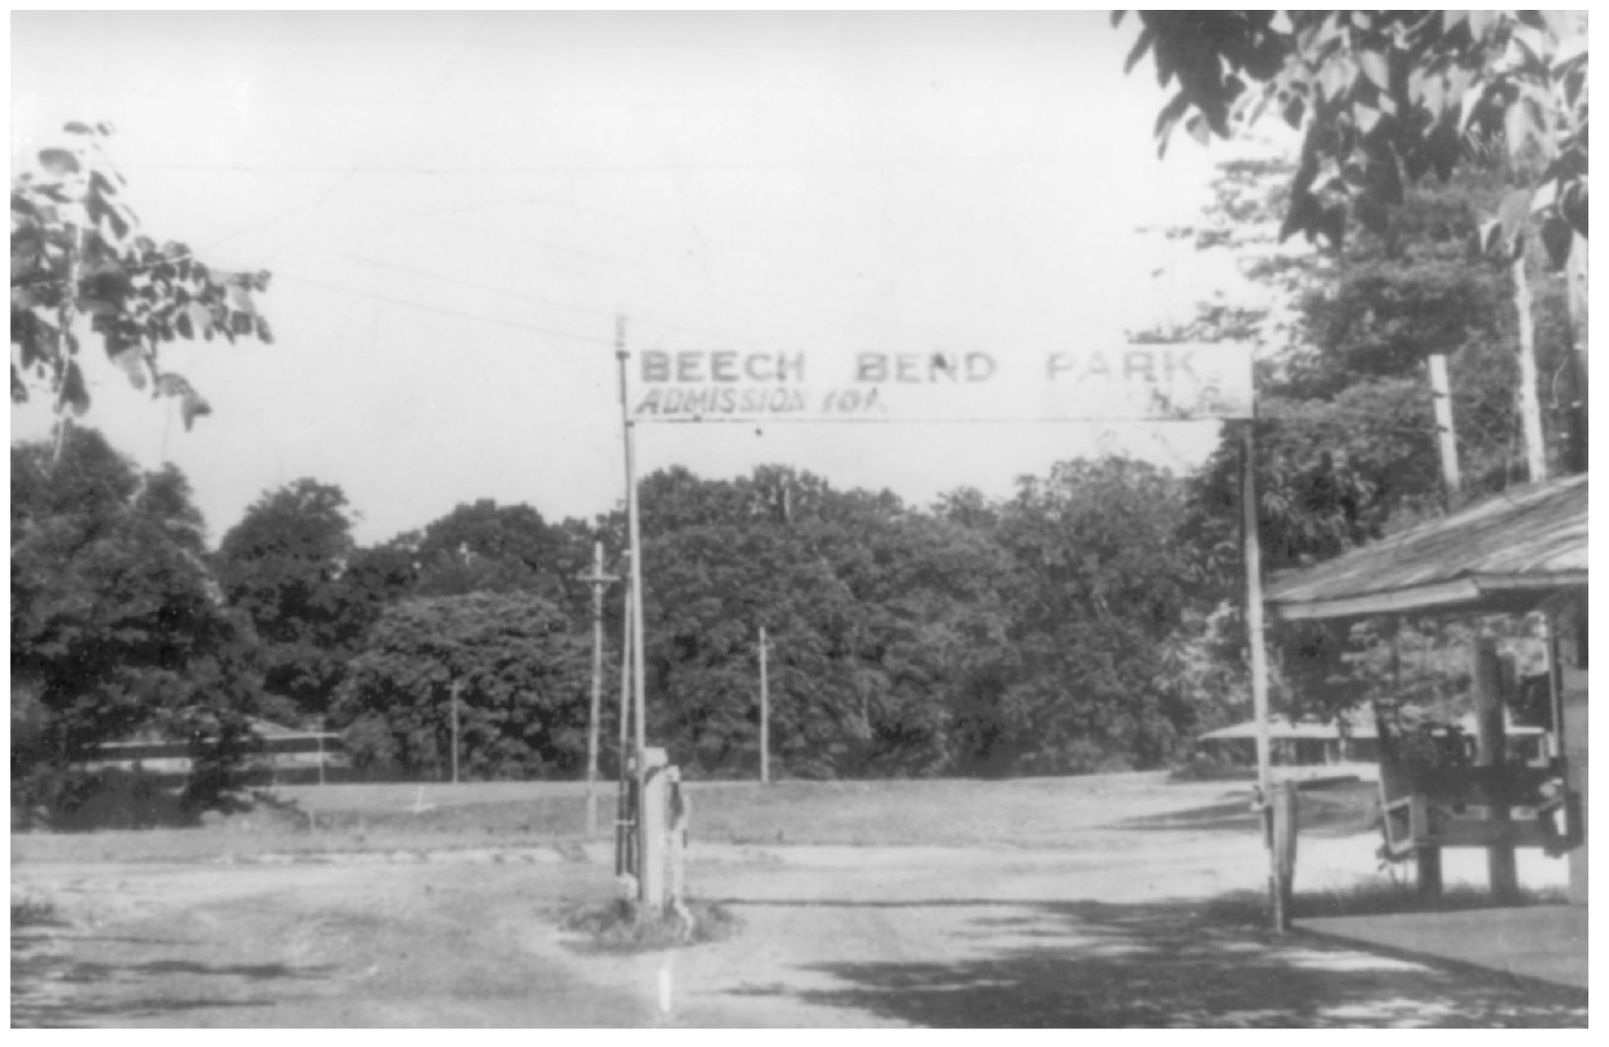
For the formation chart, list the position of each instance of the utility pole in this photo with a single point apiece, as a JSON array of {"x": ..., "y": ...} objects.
[
  {"x": 1278, "y": 812},
  {"x": 599, "y": 582},
  {"x": 457, "y": 686},
  {"x": 765, "y": 714},
  {"x": 649, "y": 849},
  {"x": 623, "y": 807},
  {"x": 1253, "y": 558}
]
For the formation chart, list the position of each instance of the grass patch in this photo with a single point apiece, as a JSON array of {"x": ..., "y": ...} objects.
[
  {"x": 1329, "y": 809},
  {"x": 615, "y": 927},
  {"x": 1026, "y": 812}
]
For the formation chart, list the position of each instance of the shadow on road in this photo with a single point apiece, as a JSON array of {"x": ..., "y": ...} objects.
[
  {"x": 1339, "y": 810},
  {"x": 41, "y": 980},
  {"x": 1211, "y": 964}
]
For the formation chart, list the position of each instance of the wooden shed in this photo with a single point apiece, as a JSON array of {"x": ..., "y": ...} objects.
[{"x": 1520, "y": 551}]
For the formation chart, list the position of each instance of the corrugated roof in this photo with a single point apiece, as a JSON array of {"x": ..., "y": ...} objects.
[{"x": 1504, "y": 553}]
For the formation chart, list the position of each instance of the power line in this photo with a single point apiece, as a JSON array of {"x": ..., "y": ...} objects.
[
  {"x": 751, "y": 292},
  {"x": 521, "y": 295},
  {"x": 436, "y": 170},
  {"x": 446, "y": 311}
]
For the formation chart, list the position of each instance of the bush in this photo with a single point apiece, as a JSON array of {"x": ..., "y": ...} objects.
[
  {"x": 77, "y": 801},
  {"x": 1204, "y": 767},
  {"x": 615, "y": 927}
]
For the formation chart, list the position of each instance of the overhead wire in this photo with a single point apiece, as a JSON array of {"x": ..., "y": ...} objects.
[
  {"x": 346, "y": 173},
  {"x": 447, "y": 311},
  {"x": 370, "y": 203},
  {"x": 520, "y": 295},
  {"x": 438, "y": 170}
]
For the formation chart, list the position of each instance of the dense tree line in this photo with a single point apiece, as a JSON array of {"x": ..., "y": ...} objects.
[
  {"x": 1088, "y": 621},
  {"x": 117, "y": 622},
  {"x": 1036, "y": 635}
]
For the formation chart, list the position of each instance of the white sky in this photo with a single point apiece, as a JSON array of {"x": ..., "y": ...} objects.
[{"x": 455, "y": 206}]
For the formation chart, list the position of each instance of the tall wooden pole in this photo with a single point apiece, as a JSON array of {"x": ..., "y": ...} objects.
[
  {"x": 646, "y": 848},
  {"x": 765, "y": 714},
  {"x": 1536, "y": 452},
  {"x": 1253, "y": 557},
  {"x": 1278, "y": 872},
  {"x": 599, "y": 581}
]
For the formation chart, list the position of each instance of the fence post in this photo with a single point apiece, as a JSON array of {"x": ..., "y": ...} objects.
[
  {"x": 1491, "y": 741},
  {"x": 1284, "y": 843}
]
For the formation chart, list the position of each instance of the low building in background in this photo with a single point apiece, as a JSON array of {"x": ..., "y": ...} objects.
[{"x": 288, "y": 754}]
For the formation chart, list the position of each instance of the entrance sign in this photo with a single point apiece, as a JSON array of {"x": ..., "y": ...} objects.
[
  {"x": 1104, "y": 383},
  {"x": 1160, "y": 382}
]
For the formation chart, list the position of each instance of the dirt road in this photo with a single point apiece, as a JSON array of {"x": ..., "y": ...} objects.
[{"x": 1128, "y": 929}]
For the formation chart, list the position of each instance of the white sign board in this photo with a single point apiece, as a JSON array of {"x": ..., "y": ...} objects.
[{"x": 1140, "y": 382}]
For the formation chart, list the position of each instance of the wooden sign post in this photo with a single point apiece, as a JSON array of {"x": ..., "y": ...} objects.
[
  {"x": 649, "y": 849},
  {"x": 871, "y": 385},
  {"x": 1280, "y": 873}
]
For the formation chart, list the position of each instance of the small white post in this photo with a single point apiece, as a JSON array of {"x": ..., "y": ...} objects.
[
  {"x": 651, "y": 817},
  {"x": 680, "y": 809},
  {"x": 1441, "y": 398}
]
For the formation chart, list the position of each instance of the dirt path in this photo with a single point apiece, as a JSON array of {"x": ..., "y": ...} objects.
[{"x": 1128, "y": 930}]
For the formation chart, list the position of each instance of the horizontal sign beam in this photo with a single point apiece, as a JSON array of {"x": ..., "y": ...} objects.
[{"x": 1140, "y": 382}]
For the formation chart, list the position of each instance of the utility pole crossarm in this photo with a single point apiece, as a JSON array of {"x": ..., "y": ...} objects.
[{"x": 598, "y": 580}]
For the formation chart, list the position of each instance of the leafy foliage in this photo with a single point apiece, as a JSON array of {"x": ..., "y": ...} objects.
[
  {"x": 1384, "y": 97},
  {"x": 484, "y": 547},
  {"x": 290, "y": 564},
  {"x": 77, "y": 251},
  {"x": 116, "y": 622},
  {"x": 1346, "y": 437},
  {"x": 523, "y": 675},
  {"x": 870, "y": 612},
  {"x": 1101, "y": 591},
  {"x": 905, "y": 642}
]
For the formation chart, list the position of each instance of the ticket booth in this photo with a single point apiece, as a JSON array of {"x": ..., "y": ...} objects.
[{"x": 1521, "y": 553}]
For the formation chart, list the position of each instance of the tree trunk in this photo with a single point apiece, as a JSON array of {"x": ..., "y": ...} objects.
[
  {"x": 1530, "y": 404},
  {"x": 1576, "y": 293}
]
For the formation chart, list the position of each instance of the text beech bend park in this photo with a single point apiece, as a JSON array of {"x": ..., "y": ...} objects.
[{"x": 696, "y": 383}]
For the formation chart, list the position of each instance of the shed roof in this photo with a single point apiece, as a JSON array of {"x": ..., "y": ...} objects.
[{"x": 1506, "y": 553}]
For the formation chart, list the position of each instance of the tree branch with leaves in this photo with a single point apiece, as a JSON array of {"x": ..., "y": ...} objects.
[{"x": 79, "y": 254}]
